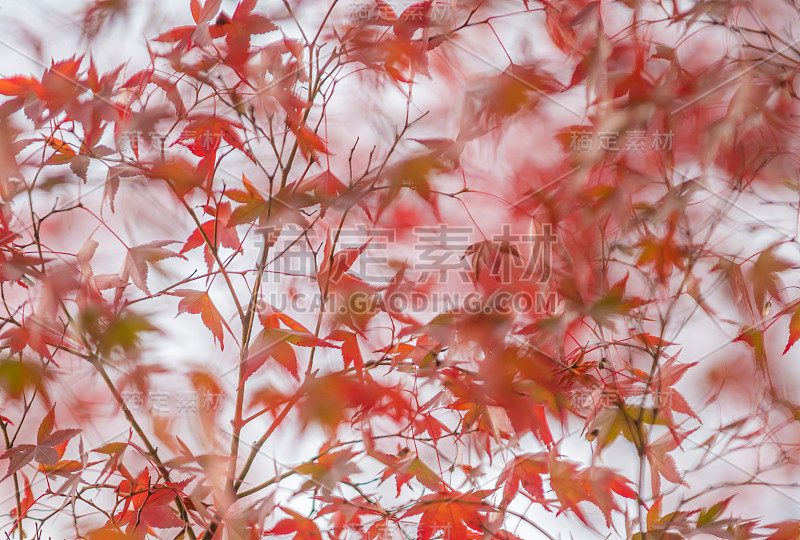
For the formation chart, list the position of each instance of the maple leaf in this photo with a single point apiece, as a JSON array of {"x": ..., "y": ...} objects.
[
  {"x": 491, "y": 419},
  {"x": 450, "y": 513},
  {"x": 18, "y": 86},
  {"x": 199, "y": 302},
  {"x": 414, "y": 467},
  {"x": 276, "y": 343},
  {"x": 708, "y": 521},
  {"x": 785, "y": 530},
  {"x": 271, "y": 317},
  {"x": 662, "y": 465},
  {"x": 33, "y": 333},
  {"x": 414, "y": 173},
  {"x": 203, "y": 134},
  {"x": 347, "y": 514},
  {"x": 307, "y": 139},
  {"x": 331, "y": 399},
  {"x": 141, "y": 79},
  {"x": 301, "y": 337},
  {"x": 253, "y": 204},
  {"x": 265, "y": 346},
  {"x": 17, "y": 376},
  {"x": 334, "y": 265},
  {"x": 571, "y": 487},
  {"x": 239, "y": 29},
  {"x": 414, "y": 17},
  {"x": 518, "y": 88},
  {"x": 794, "y": 330},
  {"x": 755, "y": 338},
  {"x": 25, "y": 504},
  {"x": 147, "y": 506},
  {"x": 765, "y": 278},
  {"x": 325, "y": 186},
  {"x": 220, "y": 231},
  {"x": 115, "y": 174},
  {"x": 628, "y": 420},
  {"x": 300, "y": 526},
  {"x": 139, "y": 257},
  {"x": 400, "y": 58},
  {"x": 427, "y": 423},
  {"x": 595, "y": 485},
  {"x": 64, "y": 467},
  {"x": 351, "y": 352},
  {"x": 271, "y": 213},
  {"x": 180, "y": 175},
  {"x": 181, "y": 34},
  {"x": 496, "y": 256},
  {"x": 44, "y": 451},
  {"x": 206, "y": 12},
  {"x": 605, "y": 483},
  {"x": 59, "y": 86},
  {"x": 614, "y": 303},
  {"x": 525, "y": 471},
  {"x": 662, "y": 254},
  {"x": 328, "y": 470}
]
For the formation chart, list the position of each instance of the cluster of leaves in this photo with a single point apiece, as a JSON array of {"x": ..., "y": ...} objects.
[{"x": 277, "y": 134}]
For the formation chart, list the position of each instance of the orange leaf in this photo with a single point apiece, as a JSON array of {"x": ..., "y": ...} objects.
[
  {"x": 199, "y": 302},
  {"x": 794, "y": 331}
]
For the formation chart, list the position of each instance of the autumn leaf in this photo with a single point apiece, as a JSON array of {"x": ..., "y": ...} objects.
[
  {"x": 147, "y": 506},
  {"x": 253, "y": 205},
  {"x": 25, "y": 504},
  {"x": 755, "y": 338},
  {"x": 336, "y": 264},
  {"x": 199, "y": 302},
  {"x": 414, "y": 17},
  {"x": 662, "y": 465},
  {"x": 615, "y": 303},
  {"x": 570, "y": 486},
  {"x": 203, "y": 134},
  {"x": 414, "y": 467},
  {"x": 663, "y": 254},
  {"x": 267, "y": 345},
  {"x": 206, "y": 11},
  {"x": 605, "y": 484},
  {"x": 451, "y": 513},
  {"x": 328, "y": 470},
  {"x": 329, "y": 400},
  {"x": 139, "y": 257},
  {"x": 180, "y": 175},
  {"x": 784, "y": 530},
  {"x": 519, "y": 87},
  {"x": 276, "y": 342},
  {"x": 220, "y": 231},
  {"x": 794, "y": 331},
  {"x": 309, "y": 142},
  {"x": 18, "y": 85},
  {"x": 17, "y": 377},
  {"x": 239, "y": 29},
  {"x": 351, "y": 352},
  {"x": 595, "y": 484},
  {"x": 44, "y": 451},
  {"x": 301, "y": 527},
  {"x": 34, "y": 334},
  {"x": 524, "y": 471},
  {"x": 764, "y": 275}
]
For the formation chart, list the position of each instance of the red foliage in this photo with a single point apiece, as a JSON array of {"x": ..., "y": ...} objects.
[{"x": 468, "y": 270}]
